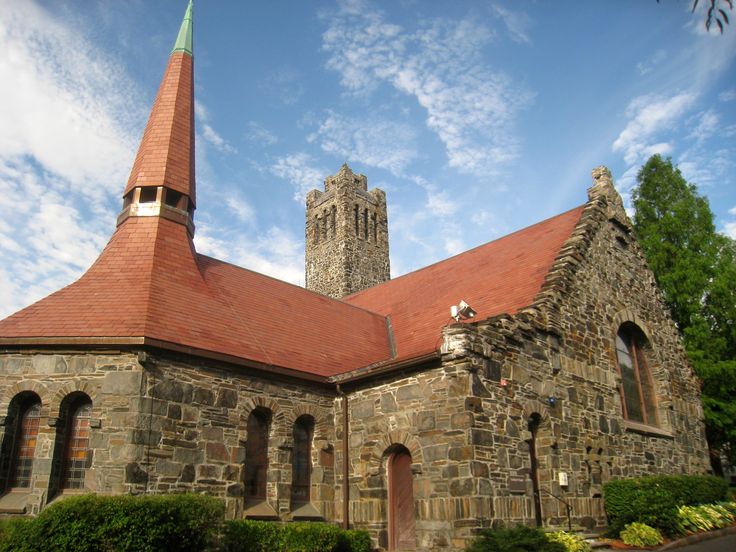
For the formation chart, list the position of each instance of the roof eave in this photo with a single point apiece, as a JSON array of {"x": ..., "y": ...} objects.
[
  {"x": 383, "y": 367},
  {"x": 99, "y": 341}
]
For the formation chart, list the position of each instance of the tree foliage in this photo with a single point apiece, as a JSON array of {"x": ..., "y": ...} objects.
[
  {"x": 715, "y": 12},
  {"x": 695, "y": 267}
]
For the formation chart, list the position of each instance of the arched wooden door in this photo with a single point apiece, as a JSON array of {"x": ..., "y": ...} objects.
[{"x": 401, "y": 516}]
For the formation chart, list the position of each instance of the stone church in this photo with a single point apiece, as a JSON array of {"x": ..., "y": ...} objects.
[{"x": 500, "y": 385}]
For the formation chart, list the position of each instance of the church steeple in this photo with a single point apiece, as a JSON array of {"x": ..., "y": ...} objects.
[{"x": 161, "y": 182}]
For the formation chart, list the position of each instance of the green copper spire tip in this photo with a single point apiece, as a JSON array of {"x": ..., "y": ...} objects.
[{"x": 184, "y": 40}]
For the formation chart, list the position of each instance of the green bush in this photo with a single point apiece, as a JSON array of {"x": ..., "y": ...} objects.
[
  {"x": 654, "y": 500},
  {"x": 694, "y": 519},
  {"x": 517, "y": 539},
  {"x": 571, "y": 541},
  {"x": 356, "y": 541},
  {"x": 122, "y": 523},
  {"x": 641, "y": 534},
  {"x": 266, "y": 536}
]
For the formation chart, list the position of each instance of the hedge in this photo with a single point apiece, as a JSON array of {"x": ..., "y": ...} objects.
[
  {"x": 514, "y": 539},
  {"x": 266, "y": 536},
  {"x": 84, "y": 523},
  {"x": 654, "y": 500}
]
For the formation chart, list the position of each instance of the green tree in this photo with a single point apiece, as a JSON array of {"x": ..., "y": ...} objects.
[{"x": 696, "y": 269}]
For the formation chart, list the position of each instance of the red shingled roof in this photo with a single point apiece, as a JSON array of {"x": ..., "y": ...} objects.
[
  {"x": 166, "y": 154},
  {"x": 502, "y": 276},
  {"x": 149, "y": 282}
]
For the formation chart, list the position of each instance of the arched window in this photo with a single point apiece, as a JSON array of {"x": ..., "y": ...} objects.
[
  {"x": 301, "y": 464},
  {"x": 256, "y": 455},
  {"x": 401, "y": 516},
  {"x": 638, "y": 399},
  {"x": 25, "y": 414},
  {"x": 76, "y": 443}
]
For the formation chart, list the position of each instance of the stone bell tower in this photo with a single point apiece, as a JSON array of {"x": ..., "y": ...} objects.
[{"x": 346, "y": 236}]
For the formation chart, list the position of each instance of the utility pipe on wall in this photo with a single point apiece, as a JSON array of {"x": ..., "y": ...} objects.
[{"x": 345, "y": 461}]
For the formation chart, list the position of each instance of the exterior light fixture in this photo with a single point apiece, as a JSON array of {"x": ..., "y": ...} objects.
[
  {"x": 552, "y": 400},
  {"x": 462, "y": 311}
]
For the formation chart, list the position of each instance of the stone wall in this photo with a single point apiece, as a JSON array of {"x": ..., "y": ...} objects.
[
  {"x": 466, "y": 422},
  {"x": 171, "y": 424},
  {"x": 112, "y": 380},
  {"x": 426, "y": 412},
  {"x": 346, "y": 236}
]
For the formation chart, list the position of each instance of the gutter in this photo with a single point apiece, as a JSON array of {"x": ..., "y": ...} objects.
[
  {"x": 383, "y": 367},
  {"x": 345, "y": 460}
]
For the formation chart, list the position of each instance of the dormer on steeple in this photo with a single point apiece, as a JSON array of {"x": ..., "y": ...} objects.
[
  {"x": 346, "y": 236},
  {"x": 162, "y": 182}
]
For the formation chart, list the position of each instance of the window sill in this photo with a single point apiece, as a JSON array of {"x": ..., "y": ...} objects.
[
  {"x": 15, "y": 501},
  {"x": 260, "y": 510},
  {"x": 305, "y": 511},
  {"x": 644, "y": 429}
]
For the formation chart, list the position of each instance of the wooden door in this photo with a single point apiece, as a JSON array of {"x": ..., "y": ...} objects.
[{"x": 401, "y": 524}]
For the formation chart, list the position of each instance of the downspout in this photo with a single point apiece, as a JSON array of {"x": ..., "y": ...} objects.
[{"x": 345, "y": 461}]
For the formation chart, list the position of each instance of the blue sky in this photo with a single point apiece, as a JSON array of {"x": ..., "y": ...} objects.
[{"x": 476, "y": 117}]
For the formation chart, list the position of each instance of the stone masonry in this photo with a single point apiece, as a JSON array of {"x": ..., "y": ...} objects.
[
  {"x": 168, "y": 423},
  {"x": 346, "y": 236},
  {"x": 468, "y": 420}
]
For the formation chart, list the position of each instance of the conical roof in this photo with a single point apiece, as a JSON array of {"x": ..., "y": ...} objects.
[{"x": 166, "y": 153}]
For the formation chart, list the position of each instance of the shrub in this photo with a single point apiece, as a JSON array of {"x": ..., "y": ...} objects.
[
  {"x": 694, "y": 519},
  {"x": 571, "y": 541},
  {"x": 14, "y": 531},
  {"x": 517, "y": 539},
  {"x": 122, "y": 523},
  {"x": 654, "y": 500},
  {"x": 641, "y": 534},
  {"x": 356, "y": 541},
  {"x": 265, "y": 536}
]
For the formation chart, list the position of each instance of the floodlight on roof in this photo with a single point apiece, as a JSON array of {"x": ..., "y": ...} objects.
[{"x": 462, "y": 311}]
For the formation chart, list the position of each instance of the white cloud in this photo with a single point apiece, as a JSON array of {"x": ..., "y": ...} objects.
[
  {"x": 241, "y": 208},
  {"x": 46, "y": 240},
  {"x": 260, "y": 135},
  {"x": 284, "y": 84},
  {"x": 373, "y": 141},
  {"x": 297, "y": 168},
  {"x": 730, "y": 229},
  {"x": 275, "y": 252},
  {"x": 662, "y": 148},
  {"x": 470, "y": 107},
  {"x": 647, "y": 66},
  {"x": 69, "y": 107},
  {"x": 208, "y": 132},
  {"x": 440, "y": 204},
  {"x": 71, "y": 120},
  {"x": 727, "y": 95},
  {"x": 707, "y": 125},
  {"x": 732, "y": 211},
  {"x": 649, "y": 115},
  {"x": 517, "y": 23}
]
